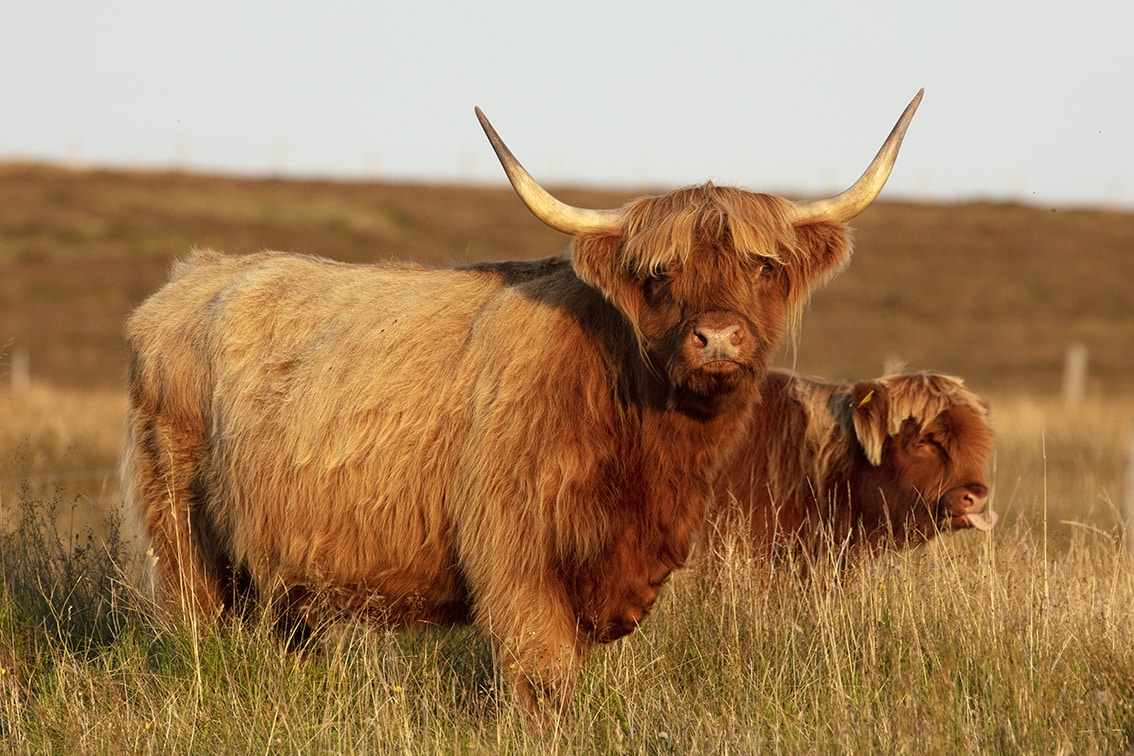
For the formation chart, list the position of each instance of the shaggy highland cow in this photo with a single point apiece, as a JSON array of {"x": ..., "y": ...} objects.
[
  {"x": 527, "y": 446},
  {"x": 828, "y": 468}
]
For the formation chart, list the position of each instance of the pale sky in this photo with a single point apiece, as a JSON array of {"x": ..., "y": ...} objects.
[{"x": 1025, "y": 101}]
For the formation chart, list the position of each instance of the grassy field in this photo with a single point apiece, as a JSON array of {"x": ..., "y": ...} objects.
[{"x": 1019, "y": 640}]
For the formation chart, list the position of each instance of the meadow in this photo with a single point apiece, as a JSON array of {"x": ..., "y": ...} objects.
[{"x": 1018, "y": 640}]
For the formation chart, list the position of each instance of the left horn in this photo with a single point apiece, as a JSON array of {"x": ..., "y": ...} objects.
[
  {"x": 854, "y": 200},
  {"x": 558, "y": 215}
]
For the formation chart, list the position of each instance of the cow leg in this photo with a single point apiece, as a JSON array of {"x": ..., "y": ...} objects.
[
  {"x": 160, "y": 472},
  {"x": 539, "y": 650},
  {"x": 543, "y": 676}
]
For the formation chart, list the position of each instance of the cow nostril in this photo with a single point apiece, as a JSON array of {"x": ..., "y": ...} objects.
[{"x": 975, "y": 497}]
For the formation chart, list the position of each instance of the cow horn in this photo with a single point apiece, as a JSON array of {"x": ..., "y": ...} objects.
[
  {"x": 856, "y": 199},
  {"x": 558, "y": 215}
]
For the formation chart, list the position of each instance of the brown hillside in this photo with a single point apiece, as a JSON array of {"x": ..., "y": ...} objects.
[{"x": 994, "y": 293}]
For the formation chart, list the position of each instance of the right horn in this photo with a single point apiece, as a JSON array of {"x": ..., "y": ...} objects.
[{"x": 854, "y": 200}]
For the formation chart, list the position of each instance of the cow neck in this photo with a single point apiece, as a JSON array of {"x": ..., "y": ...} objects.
[{"x": 682, "y": 454}]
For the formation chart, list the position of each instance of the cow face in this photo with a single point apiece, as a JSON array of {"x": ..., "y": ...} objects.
[
  {"x": 709, "y": 279},
  {"x": 927, "y": 444}
]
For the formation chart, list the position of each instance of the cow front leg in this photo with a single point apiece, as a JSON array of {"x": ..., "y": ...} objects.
[
  {"x": 539, "y": 655},
  {"x": 543, "y": 676}
]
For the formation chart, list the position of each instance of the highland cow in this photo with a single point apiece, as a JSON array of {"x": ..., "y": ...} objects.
[
  {"x": 827, "y": 469},
  {"x": 530, "y": 447}
]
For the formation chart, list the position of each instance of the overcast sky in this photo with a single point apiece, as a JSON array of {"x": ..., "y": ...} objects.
[{"x": 1028, "y": 101}]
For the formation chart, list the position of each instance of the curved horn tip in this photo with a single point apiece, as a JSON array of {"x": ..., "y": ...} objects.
[
  {"x": 487, "y": 126},
  {"x": 914, "y": 103},
  {"x": 855, "y": 199},
  {"x": 905, "y": 119}
]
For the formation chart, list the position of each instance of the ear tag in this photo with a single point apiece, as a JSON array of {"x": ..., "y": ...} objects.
[{"x": 866, "y": 399}]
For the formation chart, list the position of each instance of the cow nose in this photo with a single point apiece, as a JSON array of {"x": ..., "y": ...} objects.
[
  {"x": 975, "y": 498},
  {"x": 718, "y": 342}
]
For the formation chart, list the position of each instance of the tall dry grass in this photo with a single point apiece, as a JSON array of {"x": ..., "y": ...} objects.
[
  {"x": 1019, "y": 640},
  {"x": 61, "y": 445},
  {"x": 1065, "y": 462}
]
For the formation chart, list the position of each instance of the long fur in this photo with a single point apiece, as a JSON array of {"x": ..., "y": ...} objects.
[
  {"x": 825, "y": 465},
  {"x": 527, "y": 446}
]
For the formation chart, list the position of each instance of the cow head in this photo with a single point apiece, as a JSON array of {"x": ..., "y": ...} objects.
[
  {"x": 708, "y": 278},
  {"x": 928, "y": 442}
]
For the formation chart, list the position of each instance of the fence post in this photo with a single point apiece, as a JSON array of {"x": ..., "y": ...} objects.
[
  {"x": 1128, "y": 503},
  {"x": 1075, "y": 374},
  {"x": 19, "y": 369}
]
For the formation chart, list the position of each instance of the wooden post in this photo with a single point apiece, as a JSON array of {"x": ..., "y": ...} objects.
[
  {"x": 19, "y": 369},
  {"x": 1075, "y": 374},
  {"x": 1128, "y": 503}
]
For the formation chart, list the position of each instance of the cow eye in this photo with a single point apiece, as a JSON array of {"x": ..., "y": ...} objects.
[
  {"x": 656, "y": 284},
  {"x": 929, "y": 442},
  {"x": 760, "y": 269}
]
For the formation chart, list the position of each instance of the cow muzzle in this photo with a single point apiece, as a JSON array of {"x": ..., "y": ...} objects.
[
  {"x": 717, "y": 342},
  {"x": 965, "y": 508}
]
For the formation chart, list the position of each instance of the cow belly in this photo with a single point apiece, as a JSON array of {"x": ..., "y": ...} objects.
[
  {"x": 394, "y": 594},
  {"x": 339, "y": 556}
]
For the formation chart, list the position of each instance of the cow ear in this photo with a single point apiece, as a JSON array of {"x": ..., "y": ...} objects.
[
  {"x": 596, "y": 260},
  {"x": 827, "y": 248},
  {"x": 868, "y": 410}
]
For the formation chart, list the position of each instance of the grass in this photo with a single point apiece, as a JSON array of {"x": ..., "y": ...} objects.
[
  {"x": 61, "y": 445},
  {"x": 1014, "y": 641}
]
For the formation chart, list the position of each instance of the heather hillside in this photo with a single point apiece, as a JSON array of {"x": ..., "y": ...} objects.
[{"x": 992, "y": 292}]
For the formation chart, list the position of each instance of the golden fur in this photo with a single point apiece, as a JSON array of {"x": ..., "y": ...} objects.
[
  {"x": 830, "y": 465},
  {"x": 527, "y": 446}
]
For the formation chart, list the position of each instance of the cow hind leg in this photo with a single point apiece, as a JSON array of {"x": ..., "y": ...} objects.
[{"x": 160, "y": 479}]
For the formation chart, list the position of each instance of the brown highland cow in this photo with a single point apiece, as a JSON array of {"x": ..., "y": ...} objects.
[
  {"x": 829, "y": 468},
  {"x": 527, "y": 446}
]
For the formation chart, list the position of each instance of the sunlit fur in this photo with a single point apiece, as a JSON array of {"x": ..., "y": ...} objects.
[
  {"x": 831, "y": 466},
  {"x": 527, "y": 446},
  {"x": 662, "y": 234}
]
